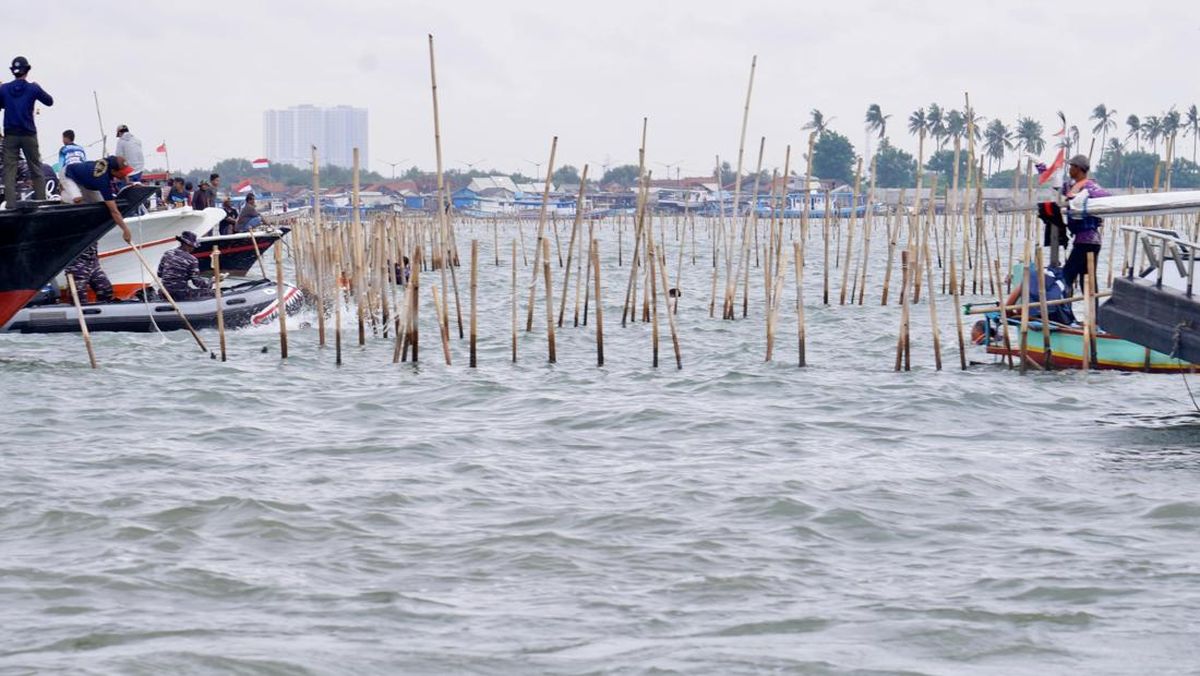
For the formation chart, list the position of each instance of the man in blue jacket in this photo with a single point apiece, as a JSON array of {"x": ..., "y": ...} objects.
[{"x": 20, "y": 133}]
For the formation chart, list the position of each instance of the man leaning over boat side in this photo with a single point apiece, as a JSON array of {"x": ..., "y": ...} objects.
[
  {"x": 91, "y": 182},
  {"x": 248, "y": 217},
  {"x": 179, "y": 271},
  {"x": 20, "y": 133},
  {"x": 1085, "y": 229}
]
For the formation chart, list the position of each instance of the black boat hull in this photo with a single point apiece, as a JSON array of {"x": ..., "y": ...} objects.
[
  {"x": 36, "y": 243},
  {"x": 237, "y": 251}
]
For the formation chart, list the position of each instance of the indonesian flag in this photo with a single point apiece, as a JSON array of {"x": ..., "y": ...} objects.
[
  {"x": 261, "y": 163},
  {"x": 162, "y": 148},
  {"x": 1053, "y": 168},
  {"x": 244, "y": 186}
]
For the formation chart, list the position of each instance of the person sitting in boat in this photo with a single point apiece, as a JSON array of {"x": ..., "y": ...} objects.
[
  {"x": 1056, "y": 289},
  {"x": 179, "y": 271},
  {"x": 1084, "y": 228},
  {"x": 249, "y": 216},
  {"x": 231, "y": 216},
  {"x": 92, "y": 181}
]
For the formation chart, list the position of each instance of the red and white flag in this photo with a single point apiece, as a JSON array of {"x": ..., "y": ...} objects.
[
  {"x": 243, "y": 187},
  {"x": 1053, "y": 168},
  {"x": 261, "y": 163},
  {"x": 162, "y": 148}
]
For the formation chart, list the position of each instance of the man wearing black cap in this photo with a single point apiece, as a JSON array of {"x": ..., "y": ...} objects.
[
  {"x": 20, "y": 133},
  {"x": 179, "y": 271}
]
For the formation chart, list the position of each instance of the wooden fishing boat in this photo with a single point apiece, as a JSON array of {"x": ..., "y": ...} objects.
[{"x": 1066, "y": 349}]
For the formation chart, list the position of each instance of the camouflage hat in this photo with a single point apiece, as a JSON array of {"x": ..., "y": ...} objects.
[{"x": 188, "y": 238}]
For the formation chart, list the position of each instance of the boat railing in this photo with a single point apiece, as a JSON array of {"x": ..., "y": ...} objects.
[{"x": 1159, "y": 248}]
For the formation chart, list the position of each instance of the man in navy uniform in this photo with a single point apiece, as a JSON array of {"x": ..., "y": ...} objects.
[{"x": 180, "y": 271}]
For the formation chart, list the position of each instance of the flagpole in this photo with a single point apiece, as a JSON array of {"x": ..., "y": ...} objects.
[{"x": 167, "y": 153}]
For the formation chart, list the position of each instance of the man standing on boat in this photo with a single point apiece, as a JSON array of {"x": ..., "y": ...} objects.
[
  {"x": 130, "y": 147},
  {"x": 1084, "y": 228},
  {"x": 249, "y": 216},
  {"x": 179, "y": 271},
  {"x": 20, "y": 133},
  {"x": 93, "y": 182}
]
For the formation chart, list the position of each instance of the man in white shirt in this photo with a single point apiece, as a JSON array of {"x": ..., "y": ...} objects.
[{"x": 130, "y": 147}]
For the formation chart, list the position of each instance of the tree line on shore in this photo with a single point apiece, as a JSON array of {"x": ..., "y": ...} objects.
[{"x": 1133, "y": 161}]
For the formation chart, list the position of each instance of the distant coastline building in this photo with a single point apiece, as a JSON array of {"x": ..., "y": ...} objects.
[{"x": 290, "y": 134}]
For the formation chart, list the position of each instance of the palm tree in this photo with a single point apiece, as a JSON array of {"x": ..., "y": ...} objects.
[
  {"x": 918, "y": 123},
  {"x": 1135, "y": 131},
  {"x": 1115, "y": 153},
  {"x": 1171, "y": 121},
  {"x": 935, "y": 119},
  {"x": 876, "y": 120},
  {"x": 973, "y": 121},
  {"x": 1106, "y": 121},
  {"x": 1191, "y": 125},
  {"x": 818, "y": 123},
  {"x": 1029, "y": 136},
  {"x": 997, "y": 139},
  {"x": 1151, "y": 131},
  {"x": 1073, "y": 138}
]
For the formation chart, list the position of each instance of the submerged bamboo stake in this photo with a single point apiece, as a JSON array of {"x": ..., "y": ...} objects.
[
  {"x": 595, "y": 255},
  {"x": 850, "y": 231},
  {"x": 902, "y": 349},
  {"x": 356, "y": 261},
  {"x": 216, "y": 266},
  {"x": 83, "y": 328},
  {"x": 651, "y": 261},
  {"x": 474, "y": 285},
  {"x": 414, "y": 283}
]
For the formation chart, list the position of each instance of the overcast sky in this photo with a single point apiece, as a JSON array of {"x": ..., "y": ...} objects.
[{"x": 511, "y": 75}]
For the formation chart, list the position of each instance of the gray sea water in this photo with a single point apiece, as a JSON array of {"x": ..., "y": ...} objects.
[{"x": 173, "y": 514}]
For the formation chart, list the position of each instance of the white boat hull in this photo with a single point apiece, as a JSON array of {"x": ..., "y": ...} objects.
[{"x": 154, "y": 233}]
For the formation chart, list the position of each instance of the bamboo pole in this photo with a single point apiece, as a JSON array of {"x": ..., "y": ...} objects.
[
  {"x": 562, "y": 307},
  {"x": 167, "y": 294},
  {"x": 1048, "y": 353},
  {"x": 83, "y": 328},
  {"x": 474, "y": 285},
  {"x": 935, "y": 329},
  {"x": 549, "y": 300},
  {"x": 799, "y": 256},
  {"x": 662, "y": 268},
  {"x": 850, "y": 230},
  {"x": 869, "y": 225},
  {"x": 595, "y": 255},
  {"x": 958, "y": 315},
  {"x": 443, "y": 327},
  {"x": 318, "y": 240},
  {"x": 337, "y": 311},
  {"x": 279, "y": 300},
  {"x": 216, "y": 266},
  {"x": 902, "y": 336},
  {"x": 751, "y": 221},
  {"x": 357, "y": 262},
  {"x": 541, "y": 233},
  {"x": 651, "y": 261},
  {"x": 514, "y": 300},
  {"x": 414, "y": 283}
]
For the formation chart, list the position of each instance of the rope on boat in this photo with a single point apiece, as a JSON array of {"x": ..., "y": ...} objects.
[{"x": 1178, "y": 338}]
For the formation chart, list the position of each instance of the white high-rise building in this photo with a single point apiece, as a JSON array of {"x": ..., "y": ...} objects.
[{"x": 289, "y": 135}]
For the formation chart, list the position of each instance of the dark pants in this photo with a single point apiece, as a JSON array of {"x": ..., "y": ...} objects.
[
  {"x": 183, "y": 293},
  {"x": 14, "y": 146},
  {"x": 88, "y": 274},
  {"x": 1077, "y": 265}
]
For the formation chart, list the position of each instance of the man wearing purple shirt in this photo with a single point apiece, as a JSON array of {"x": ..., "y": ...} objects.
[{"x": 1085, "y": 229}]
